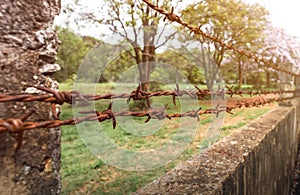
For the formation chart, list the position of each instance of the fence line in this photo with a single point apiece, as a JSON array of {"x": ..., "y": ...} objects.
[
  {"x": 175, "y": 18},
  {"x": 71, "y": 97},
  {"x": 17, "y": 125}
]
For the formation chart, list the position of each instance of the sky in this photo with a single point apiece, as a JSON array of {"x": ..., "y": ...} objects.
[{"x": 283, "y": 13}]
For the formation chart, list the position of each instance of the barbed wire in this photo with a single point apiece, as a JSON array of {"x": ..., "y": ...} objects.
[
  {"x": 175, "y": 18},
  {"x": 17, "y": 125},
  {"x": 71, "y": 97}
]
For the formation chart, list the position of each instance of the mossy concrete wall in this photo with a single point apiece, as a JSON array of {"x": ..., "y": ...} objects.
[{"x": 258, "y": 159}]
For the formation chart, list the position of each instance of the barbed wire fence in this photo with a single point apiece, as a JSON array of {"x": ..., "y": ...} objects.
[{"x": 19, "y": 125}]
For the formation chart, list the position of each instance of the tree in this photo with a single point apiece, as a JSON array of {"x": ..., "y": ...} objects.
[
  {"x": 280, "y": 49},
  {"x": 276, "y": 48},
  {"x": 233, "y": 22},
  {"x": 117, "y": 66},
  {"x": 184, "y": 64},
  {"x": 132, "y": 20},
  {"x": 71, "y": 51}
]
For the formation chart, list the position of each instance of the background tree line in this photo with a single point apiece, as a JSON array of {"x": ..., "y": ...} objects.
[{"x": 234, "y": 22}]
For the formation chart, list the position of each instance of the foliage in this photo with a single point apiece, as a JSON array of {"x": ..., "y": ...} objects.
[
  {"x": 71, "y": 51},
  {"x": 75, "y": 50},
  {"x": 184, "y": 64},
  {"x": 276, "y": 48},
  {"x": 233, "y": 22},
  {"x": 104, "y": 64},
  {"x": 137, "y": 24},
  {"x": 281, "y": 49}
]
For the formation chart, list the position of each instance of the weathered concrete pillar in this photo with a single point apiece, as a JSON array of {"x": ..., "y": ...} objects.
[
  {"x": 286, "y": 83},
  {"x": 28, "y": 46}
]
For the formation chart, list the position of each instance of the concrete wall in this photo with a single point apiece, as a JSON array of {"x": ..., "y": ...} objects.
[{"x": 258, "y": 159}]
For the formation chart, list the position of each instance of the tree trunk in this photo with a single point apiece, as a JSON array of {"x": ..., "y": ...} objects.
[
  {"x": 147, "y": 66},
  {"x": 28, "y": 46},
  {"x": 268, "y": 79},
  {"x": 240, "y": 72},
  {"x": 211, "y": 72},
  {"x": 148, "y": 53},
  {"x": 212, "y": 67}
]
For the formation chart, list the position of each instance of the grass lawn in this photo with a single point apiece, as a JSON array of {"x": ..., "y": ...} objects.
[{"x": 83, "y": 173}]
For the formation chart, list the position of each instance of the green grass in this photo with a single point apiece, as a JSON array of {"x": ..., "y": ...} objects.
[
  {"x": 238, "y": 125},
  {"x": 83, "y": 173}
]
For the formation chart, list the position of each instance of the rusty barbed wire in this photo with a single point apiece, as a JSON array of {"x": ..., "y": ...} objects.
[
  {"x": 15, "y": 125},
  {"x": 175, "y": 18},
  {"x": 18, "y": 125},
  {"x": 71, "y": 97}
]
